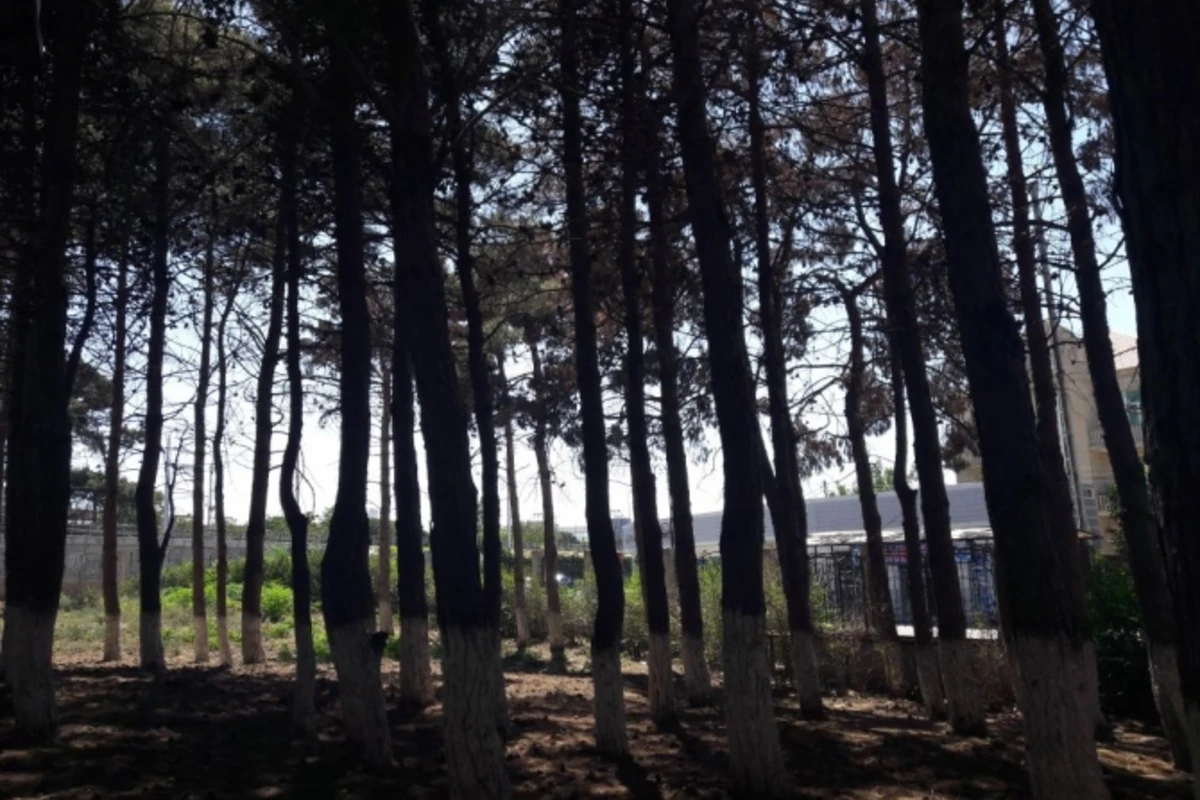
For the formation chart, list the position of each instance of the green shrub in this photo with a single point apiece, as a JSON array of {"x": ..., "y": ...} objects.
[
  {"x": 285, "y": 654},
  {"x": 1125, "y": 687},
  {"x": 276, "y": 602}
]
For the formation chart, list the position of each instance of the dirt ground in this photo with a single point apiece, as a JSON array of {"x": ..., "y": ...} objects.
[{"x": 211, "y": 733}]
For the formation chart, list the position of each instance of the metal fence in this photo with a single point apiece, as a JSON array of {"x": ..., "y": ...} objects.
[{"x": 839, "y": 583}]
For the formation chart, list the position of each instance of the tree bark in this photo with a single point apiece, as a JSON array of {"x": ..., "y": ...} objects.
[
  {"x": 150, "y": 552},
  {"x": 474, "y": 753},
  {"x": 1149, "y": 60},
  {"x": 224, "y": 648},
  {"x": 520, "y": 608},
  {"x": 964, "y": 708},
  {"x": 346, "y": 598},
  {"x": 881, "y": 616},
  {"x": 39, "y": 443},
  {"x": 199, "y": 612},
  {"x": 1041, "y": 595},
  {"x": 611, "y": 736},
  {"x": 754, "y": 750},
  {"x": 696, "y": 680},
  {"x": 383, "y": 585},
  {"x": 541, "y": 452},
  {"x": 112, "y": 467},
  {"x": 264, "y": 404},
  {"x": 89, "y": 310},
  {"x": 1137, "y": 514}
]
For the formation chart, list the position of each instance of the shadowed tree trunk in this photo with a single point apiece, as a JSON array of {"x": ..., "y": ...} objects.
[
  {"x": 264, "y": 402},
  {"x": 645, "y": 501},
  {"x": 611, "y": 736},
  {"x": 520, "y": 609},
  {"x": 1136, "y": 513},
  {"x": 224, "y": 648},
  {"x": 304, "y": 714},
  {"x": 346, "y": 598},
  {"x": 696, "y": 680},
  {"x": 1149, "y": 58},
  {"x": 89, "y": 311},
  {"x": 1041, "y": 592},
  {"x": 541, "y": 452},
  {"x": 474, "y": 752},
  {"x": 929, "y": 679},
  {"x": 112, "y": 467},
  {"x": 964, "y": 707},
  {"x": 881, "y": 616},
  {"x": 39, "y": 444},
  {"x": 755, "y": 756},
  {"x": 199, "y": 613},
  {"x": 789, "y": 514},
  {"x": 150, "y": 552},
  {"x": 383, "y": 585}
]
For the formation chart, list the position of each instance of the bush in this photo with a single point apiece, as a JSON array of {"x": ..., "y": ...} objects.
[
  {"x": 1125, "y": 687},
  {"x": 276, "y": 602}
]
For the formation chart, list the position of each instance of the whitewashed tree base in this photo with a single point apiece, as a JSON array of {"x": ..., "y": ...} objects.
[
  {"x": 522, "y": 628},
  {"x": 893, "y": 666},
  {"x": 224, "y": 649},
  {"x": 1060, "y": 750},
  {"x": 360, "y": 692},
  {"x": 29, "y": 671},
  {"x": 304, "y": 710},
  {"x": 964, "y": 708},
  {"x": 661, "y": 682},
  {"x": 609, "y": 706},
  {"x": 558, "y": 642},
  {"x": 1168, "y": 697},
  {"x": 696, "y": 680},
  {"x": 200, "y": 639},
  {"x": 755, "y": 756},
  {"x": 474, "y": 751},
  {"x": 112, "y": 637},
  {"x": 416, "y": 676},
  {"x": 253, "y": 651},
  {"x": 805, "y": 674},
  {"x": 385, "y": 613},
  {"x": 929, "y": 679},
  {"x": 150, "y": 646}
]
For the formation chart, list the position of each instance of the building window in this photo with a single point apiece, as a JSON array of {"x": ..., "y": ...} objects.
[{"x": 1133, "y": 406}]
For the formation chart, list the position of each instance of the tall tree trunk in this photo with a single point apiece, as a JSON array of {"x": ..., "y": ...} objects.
[
  {"x": 474, "y": 753},
  {"x": 304, "y": 714},
  {"x": 224, "y": 649},
  {"x": 541, "y": 452},
  {"x": 39, "y": 444},
  {"x": 520, "y": 608},
  {"x": 1137, "y": 513},
  {"x": 754, "y": 752},
  {"x": 964, "y": 708},
  {"x": 611, "y": 735},
  {"x": 150, "y": 552},
  {"x": 881, "y": 616},
  {"x": 929, "y": 679},
  {"x": 260, "y": 476},
  {"x": 645, "y": 501},
  {"x": 696, "y": 680},
  {"x": 89, "y": 311},
  {"x": 199, "y": 613},
  {"x": 383, "y": 585},
  {"x": 789, "y": 515},
  {"x": 112, "y": 466},
  {"x": 1041, "y": 593},
  {"x": 346, "y": 597},
  {"x": 1150, "y": 62}
]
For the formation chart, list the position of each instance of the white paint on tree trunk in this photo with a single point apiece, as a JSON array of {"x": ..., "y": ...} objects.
[
  {"x": 755, "y": 757},
  {"x": 223, "y": 646},
  {"x": 200, "y": 639},
  {"x": 29, "y": 670},
  {"x": 1059, "y": 714},
  {"x": 253, "y": 651},
  {"x": 661, "y": 681},
  {"x": 360, "y": 692},
  {"x": 806, "y": 675},
  {"x": 522, "y": 627},
  {"x": 112, "y": 637},
  {"x": 416, "y": 677},
  {"x": 558, "y": 642},
  {"x": 474, "y": 750},
  {"x": 609, "y": 702},
  {"x": 696, "y": 680},
  {"x": 150, "y": 645},
  {"x": 1168, "y": 696},
  {"x": 929, "y": 680},
  {"x": 385, "y": 613},
  {"x": 304, "y": 711},
  {"x": 964, "y": 708}
]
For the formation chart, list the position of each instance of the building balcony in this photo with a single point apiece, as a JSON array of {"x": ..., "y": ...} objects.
[{"x": 1104, "y": 502}]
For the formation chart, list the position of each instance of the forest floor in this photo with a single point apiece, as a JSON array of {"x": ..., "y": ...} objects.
[{"x": 213, "y": 733}]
